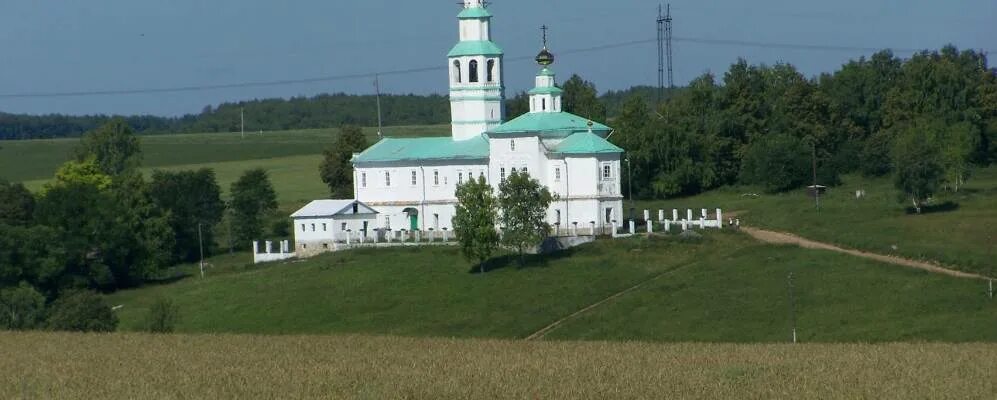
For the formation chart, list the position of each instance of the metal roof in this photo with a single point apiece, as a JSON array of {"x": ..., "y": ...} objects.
[
  {"x": 474, "y": 13},
  {"x": 423, "y": 149},
  {"x": 557, "y": 123},
  {"x": 475, "y": 48},
  {"x": 329, "y": 208},
  {"x": 585, "y": 143}
]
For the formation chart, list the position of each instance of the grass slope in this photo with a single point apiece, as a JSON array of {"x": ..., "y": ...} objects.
[
  {"x": 727, "y": 288},
  {"x": 131, "y": 366},
  {"x": 963, "y": 236},
  {"x": 29, "y": 160}
]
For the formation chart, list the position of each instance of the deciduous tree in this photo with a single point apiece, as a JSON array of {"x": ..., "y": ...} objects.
[
  {"x": 113, "y": 147},
  {"x": 474, "y": 221},
  {"x": 336, "y": 169},
  {"x": 523, "y": 203},
  {"x": 254, "y": 201}
]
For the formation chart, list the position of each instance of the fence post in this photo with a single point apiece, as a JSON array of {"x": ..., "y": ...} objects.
[{"x": 256, "y": 247}]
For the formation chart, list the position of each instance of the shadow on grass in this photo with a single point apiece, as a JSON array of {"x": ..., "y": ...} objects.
[
  {"x": 166, "y": 280},
  {"x": 513, "y": 261},
  {"x": 947, "y": 206}
]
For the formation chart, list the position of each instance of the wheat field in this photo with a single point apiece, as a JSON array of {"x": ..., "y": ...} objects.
[{"x": 138, "y": 366}]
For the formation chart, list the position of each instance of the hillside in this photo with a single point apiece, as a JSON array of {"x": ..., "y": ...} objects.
[
  {"x": 726, "y": 288},
  {"x": 238, "y": 367}
]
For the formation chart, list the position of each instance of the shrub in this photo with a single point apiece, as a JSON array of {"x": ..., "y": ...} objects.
[
  {"x": 163, "y": 316},
  {"x": 21, "y": 308},
  {"x": 82, "y": 311}
]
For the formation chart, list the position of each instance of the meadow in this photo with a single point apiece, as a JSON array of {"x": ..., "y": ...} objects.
[
  {"x": 34, "y": 160},
  {"x": 77, "y": 366},
  {"x": 959, "y": 231},
  {"x": 725, "y": 288}
]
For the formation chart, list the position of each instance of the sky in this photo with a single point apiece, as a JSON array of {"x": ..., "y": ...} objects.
[{"x": 58, "y": 46}]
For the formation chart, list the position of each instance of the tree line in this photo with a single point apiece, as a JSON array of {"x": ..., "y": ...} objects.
[
  {"x": 928, "y": 121},
  {"x": 322, "y": 111},
  {"x": 100, "y": 226}
]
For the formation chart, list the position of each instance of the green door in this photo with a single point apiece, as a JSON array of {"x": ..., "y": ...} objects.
[{"x": 414, "y": 222}]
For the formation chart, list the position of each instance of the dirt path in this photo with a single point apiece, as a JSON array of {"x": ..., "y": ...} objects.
[
  {"x": 547, "y": 329},
  {"x": 788, "y": 238}
]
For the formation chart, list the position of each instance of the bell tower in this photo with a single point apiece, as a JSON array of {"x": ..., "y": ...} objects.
[{"x": 477, "y": 94}]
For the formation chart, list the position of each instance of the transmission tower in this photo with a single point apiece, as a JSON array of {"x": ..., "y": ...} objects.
[{"x": 664, "y": 50}]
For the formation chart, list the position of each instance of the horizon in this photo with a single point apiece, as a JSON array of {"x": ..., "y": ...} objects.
[{"x": 146, "y": 45}]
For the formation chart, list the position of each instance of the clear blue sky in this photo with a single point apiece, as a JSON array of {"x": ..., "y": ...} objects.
[{"x": 72, "y": 45}]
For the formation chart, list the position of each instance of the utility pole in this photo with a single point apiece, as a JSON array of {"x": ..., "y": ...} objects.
[
  {"x": 630, "y": 187},
  {"x": 792, "y": 305},
  {"x": 816, "y": 189},
  {"x": 377, "y": 91},
  {"x": 242, "y": 121},
  {"x": 664, "y": 50},
  {"x": 200, "y": 244}
]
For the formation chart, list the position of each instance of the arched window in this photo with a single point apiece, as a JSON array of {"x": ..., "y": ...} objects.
[
  {"x": 491, "y": 71},
  {"x": 456, "y": 71},
  {"x": 544, "y": 102},
  {"x": 472, "y": 70}
]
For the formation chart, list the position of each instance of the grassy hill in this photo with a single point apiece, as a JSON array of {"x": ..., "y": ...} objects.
[
  {"x": 29, "y": 160},
  {"x": 70, "y": 366},
  {"x": 960, "y": 232},
  {"x": 726, "y": 288}
]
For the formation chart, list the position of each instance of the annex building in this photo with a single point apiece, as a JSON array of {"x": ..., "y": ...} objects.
[{"x": 410, "y": 183}]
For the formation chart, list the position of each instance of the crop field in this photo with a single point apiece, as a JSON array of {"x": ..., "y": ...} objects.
[
  {"x": 75, "y": 366},
  {"x": 725, "y": 288},
  {"x": 33, "y": 160},
  {"x": 960, "y": 232}
]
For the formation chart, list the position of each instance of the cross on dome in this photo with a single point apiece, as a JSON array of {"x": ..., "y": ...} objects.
[{"x": 545, "y": 58}]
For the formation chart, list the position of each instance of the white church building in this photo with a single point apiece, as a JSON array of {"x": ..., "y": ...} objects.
[{"x": 410, "y": 183}]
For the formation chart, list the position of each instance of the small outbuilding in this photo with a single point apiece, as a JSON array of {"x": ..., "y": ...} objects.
[{"x": 321, "y": 224}]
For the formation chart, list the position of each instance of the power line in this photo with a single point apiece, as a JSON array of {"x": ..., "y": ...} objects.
[{"x": 369, "y": 75}]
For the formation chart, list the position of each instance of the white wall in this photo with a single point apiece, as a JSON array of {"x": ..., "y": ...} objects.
[{"x": 528, "y": 153}]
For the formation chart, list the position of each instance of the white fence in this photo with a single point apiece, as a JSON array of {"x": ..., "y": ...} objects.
[{"x": 267, "y": 254}]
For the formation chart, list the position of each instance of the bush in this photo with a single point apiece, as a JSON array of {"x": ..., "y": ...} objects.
[
  {"x": 163, "y": 316},
  {"x": 778, "y": 162},
  {"x": 21, "y": 308},
  {"x": 82, "y": 311}
]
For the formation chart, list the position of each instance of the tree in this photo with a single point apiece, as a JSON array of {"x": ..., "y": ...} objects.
[
  {"x": 113, "y": 147},
  {"x": 27, "y": 255},
  {"x": 192, "y": 200},
  {"x": 16, "y": 204},
  {"x": 918, "y": 164},
  {"x": 517, "y": 106},
  {"x": 778, "y": 162},
  {"x": 81, "y": 311},
  {"x": 21, "y": 308},
  {"x": 253, "y": 202},
  {"x": 524, "y": 203},
  {"x": 86, "y": 172},
  {"x": 581, "y": 98},
  {"x": 474, "y": 221},
  {"x": 337, "y": 168},
  {"x": 163, "y": 316}
]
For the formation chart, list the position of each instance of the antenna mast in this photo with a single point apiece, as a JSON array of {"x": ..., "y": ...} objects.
[
  {"x": 377, "y": 91},
  {"x": 668, "y": 41},
  {"x": 661, "y": 54}
]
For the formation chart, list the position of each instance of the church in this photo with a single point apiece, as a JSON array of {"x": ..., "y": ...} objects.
[{"x": 410, "y": 183}]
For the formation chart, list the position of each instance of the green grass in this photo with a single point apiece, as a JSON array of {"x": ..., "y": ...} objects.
[
  {"x": 964, "y": 238},
  {"x": 735, "y": 291},
  {"x": 31, "y": 160}
]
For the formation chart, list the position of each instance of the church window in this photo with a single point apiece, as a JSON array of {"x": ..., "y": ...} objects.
[
  {"x": 491, "y": 71},
  {"x": 456, "y": 71},
  {"x": 363, "y": 179},
  {"x": 513, "y": 171},
  {"x": 502, "y": 174},
  {"x": 460, "y": 178},
  {"x": 325, "y": 228},
  {"x": 472, "y": 71},
  {"x": 558, "y": 221},
  {"x": 436, "y": 178},
  {"x": 302, "y": 227},
  {"x": 607, "y": 172},
  {"x": 543, "y": 105},
  {"x": 387, "y": 179},
  {"x": 313, "y": 227},
  {"x": 557, "y": 174},
  {"x": 343, "y": 227},
  {"x": 512, "y": 145},
  {"x": 414, "y": 176},
  {"x": 526, "y": 171}
]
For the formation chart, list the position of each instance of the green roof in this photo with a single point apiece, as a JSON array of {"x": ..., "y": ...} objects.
[
  {"x": 585, "y": 143},
  {"x": 424, "y": 149},
  {"x": 552, "y": 124},
  {"x": 476, "y": 12},
  {"x": 546, "y": 90},
  {"x": 546, "y": 72},
  {"x": 475, "y": 48}
]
